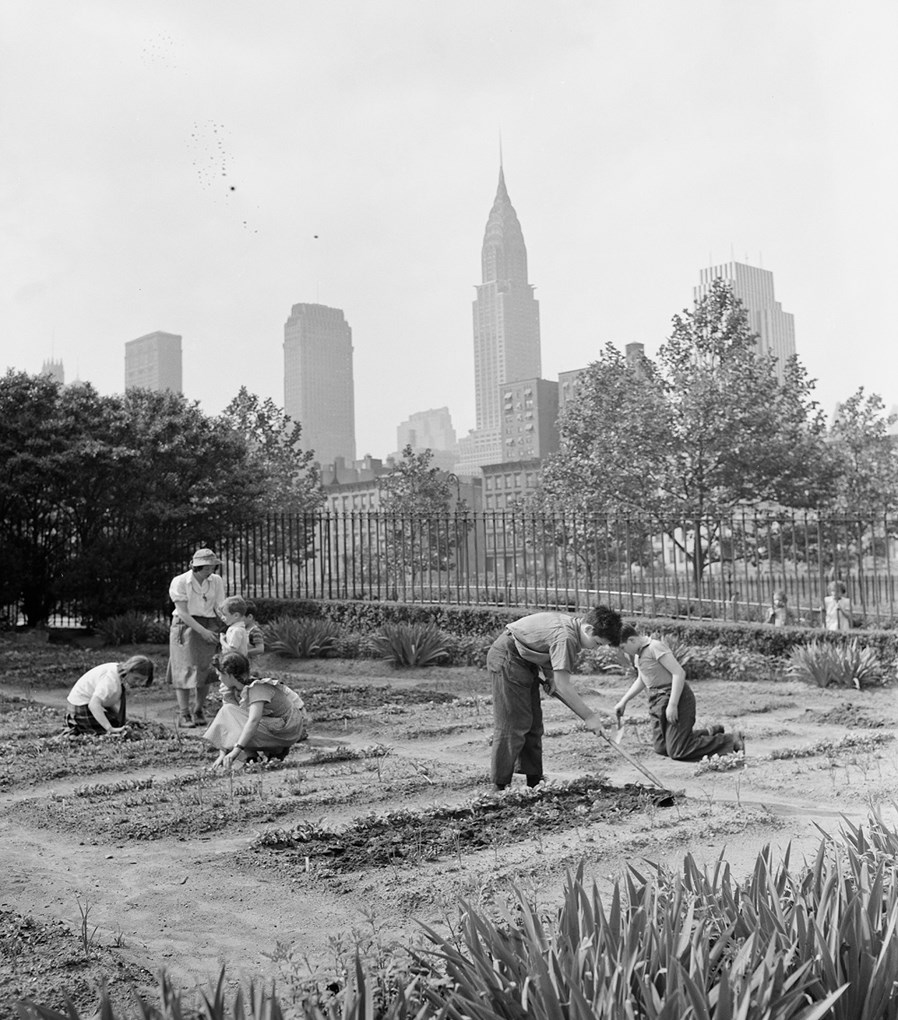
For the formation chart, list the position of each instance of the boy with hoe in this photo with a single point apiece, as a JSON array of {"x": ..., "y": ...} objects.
[
  {"x": 671, "y": 702},
  {"x": 547, "y": 642}
]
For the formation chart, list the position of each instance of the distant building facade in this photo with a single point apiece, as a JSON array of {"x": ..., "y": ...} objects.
[
  {"x": 430, "y": 430},
  {"x": 427, "y": 429},
  {"x": 54, "y": 369},
  {"x": 153, "y": 362},
  {"x": 529, "y": 410},
  {"x": 754, "y": 288},
  {"x": 319, "y": 391},
  {"x": 506, "y": 329}
]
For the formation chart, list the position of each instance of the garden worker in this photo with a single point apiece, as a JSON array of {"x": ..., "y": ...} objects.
[
  {"x": 547, "y": 642},
  {"x": 836, "y": 609},
  {"x": 671, "y": 702},
  {"x": 96, "y": 704},
  {"x": 198, "y": 595},
  {"x": 236, "y": 638},
  {"x": 780, "y": 615},
  {"x": 258, "y": 715},
  {"x": 253, "y": 632}
]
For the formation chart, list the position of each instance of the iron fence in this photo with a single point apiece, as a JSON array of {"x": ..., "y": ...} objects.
[{"x": 724, "y": 568}]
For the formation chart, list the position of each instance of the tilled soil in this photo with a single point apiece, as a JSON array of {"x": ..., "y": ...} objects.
[{"x": 383, "y": 820}]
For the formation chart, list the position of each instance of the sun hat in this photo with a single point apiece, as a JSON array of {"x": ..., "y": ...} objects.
[{"x": 204, "y": 558}]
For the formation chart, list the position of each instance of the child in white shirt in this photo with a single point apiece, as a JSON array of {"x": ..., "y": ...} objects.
[{"x": 236, "y": 638}]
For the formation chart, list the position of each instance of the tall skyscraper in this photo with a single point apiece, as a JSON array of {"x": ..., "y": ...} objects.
[
  {"x": 54, "y": 369},
  {"x": 506, "y": 327},
  {"x": 153, "y": 362},
  {"x": 318, "y": 385},
  {"x": 754, "y": 288}
]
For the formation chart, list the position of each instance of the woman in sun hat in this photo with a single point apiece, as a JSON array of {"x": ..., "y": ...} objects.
[
  {"x": 198, "y": 595},
  {"x": 96, "y": 704},
  {"x": 258, "y": 715}
]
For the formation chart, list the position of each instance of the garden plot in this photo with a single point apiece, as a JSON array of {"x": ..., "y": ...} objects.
[{"x": 386, "y": 816}]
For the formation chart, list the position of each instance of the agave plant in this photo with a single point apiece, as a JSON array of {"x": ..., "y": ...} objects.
[
  {"x": 411, "y": 644},
  {"x": 845, "y": 665},
  {"x": 301, "y": 638}
]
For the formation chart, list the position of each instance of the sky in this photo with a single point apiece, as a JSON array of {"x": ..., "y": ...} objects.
[{"x": 199, "y": 166}]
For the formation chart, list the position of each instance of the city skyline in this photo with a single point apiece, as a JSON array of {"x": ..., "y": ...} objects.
[{"x": 641, "y": 144}]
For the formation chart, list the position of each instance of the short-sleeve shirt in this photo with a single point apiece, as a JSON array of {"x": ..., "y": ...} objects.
[
  {"x": 836, "y": 620},
  {"x": 202, "y": 597},
  {"x": 236, "y": 639},
  {"x": 101, "y": 682},
  {"x": 652, "y": 672},
  {"x": 550, "y": 640},
  {"x": 273, "y": 694}
]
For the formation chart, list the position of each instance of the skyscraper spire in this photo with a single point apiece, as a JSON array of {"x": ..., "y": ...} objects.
[
  {"x": 506, "y": 315},
  {"x": 504, "y": 254}
]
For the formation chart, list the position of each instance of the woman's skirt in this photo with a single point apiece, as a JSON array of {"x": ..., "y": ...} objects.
[
  {"x": 189, "y": 656},
  {"x": 273, "y": 731},
  {"x": 80, "y": 719}
]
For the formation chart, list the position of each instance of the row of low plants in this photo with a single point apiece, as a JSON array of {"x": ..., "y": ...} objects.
[
  {"x": 849, "y": 662},
  {"x": 805, "y": 944}
]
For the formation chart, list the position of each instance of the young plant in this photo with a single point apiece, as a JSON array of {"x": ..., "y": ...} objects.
[
  {"x": 411, "y": 644},
  {"x": 301, "y": 639}
]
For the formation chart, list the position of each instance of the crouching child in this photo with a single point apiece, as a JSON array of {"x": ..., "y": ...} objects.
[{"x": 671, "y": 702}]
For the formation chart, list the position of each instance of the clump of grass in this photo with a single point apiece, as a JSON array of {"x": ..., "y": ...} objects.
[
  {"x": 831, "y": 665},
  {"x": 301, "y": 638},
  {"x": 411, "y": 644}
]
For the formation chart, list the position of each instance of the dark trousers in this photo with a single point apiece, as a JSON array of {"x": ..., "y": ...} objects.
[
  {"x": 517, "y": 713},
  {"x": 679, "y": 740}
]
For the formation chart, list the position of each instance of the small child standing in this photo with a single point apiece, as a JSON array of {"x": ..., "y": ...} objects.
[
  {"x": 253, "y": 632},
  {"x": 671, "y": 702},
  {"x": 836, "y": 609},
  {"x": 235, "y": 639},
  {"x": 780, "y": 614}
]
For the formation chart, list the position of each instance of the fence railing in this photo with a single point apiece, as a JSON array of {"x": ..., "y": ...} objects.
[{"x": 725, "y": 568}]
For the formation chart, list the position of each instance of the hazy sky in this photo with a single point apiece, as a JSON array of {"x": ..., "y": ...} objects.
[{"x": 198, "y": 166}]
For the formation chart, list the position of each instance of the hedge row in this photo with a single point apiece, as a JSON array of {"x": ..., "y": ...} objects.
[{"x": 482, "y": 622}]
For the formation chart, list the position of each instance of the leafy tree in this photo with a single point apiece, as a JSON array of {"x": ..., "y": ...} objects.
[
  {"x": 289, "y": 478},
  {"x": 419, "y": 536},
  {"x": 688, "y": 439},
  {"x": 865, "y": 454},
  {"x": 99, "y": 494}
]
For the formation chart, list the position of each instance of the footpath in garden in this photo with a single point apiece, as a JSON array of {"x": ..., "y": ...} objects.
[{"x": 381, "y": 821}]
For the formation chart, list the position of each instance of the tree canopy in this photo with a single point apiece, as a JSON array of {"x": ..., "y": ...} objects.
[
  {"x": 96, "y": 488},
  {"x": 865, "y": 456},
  {"x": 288, "y": 478},
  {"x": 703, "y": 429}
]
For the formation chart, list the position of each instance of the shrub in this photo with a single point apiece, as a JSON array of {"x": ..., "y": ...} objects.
[
  {"x": 411, "y": 644},
  {"x": 721, "y": 663},
  {"x": 603, "y": 659},
  {"x": 132, "y": 628},
  {"x": 848, "y": 665},
  {"x": 301, "y": 639}
]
